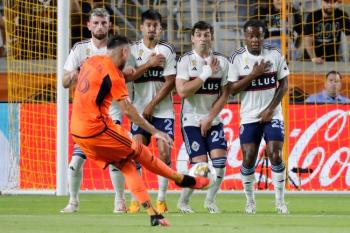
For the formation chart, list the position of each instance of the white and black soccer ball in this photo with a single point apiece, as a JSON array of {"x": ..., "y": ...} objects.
[{"x": 205, "y": 170}]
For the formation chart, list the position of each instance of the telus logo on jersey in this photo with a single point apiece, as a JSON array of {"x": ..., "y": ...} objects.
[
  {"x": 211, "y": 86},
  {"x": 153, "y": 74},
  {"x": 263, "y": 82}
]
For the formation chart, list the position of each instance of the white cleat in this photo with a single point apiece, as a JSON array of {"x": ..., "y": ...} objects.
[
  {"x": 281, "y": 208},
  {"x": 250, "y": 208},
  {"x": 120, "y": 207},
  {"x": 212, "y": 207},
  {"x": 72, "y": 207},
  {"x": 184, "y": 208}
]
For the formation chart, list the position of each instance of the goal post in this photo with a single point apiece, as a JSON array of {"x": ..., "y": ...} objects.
[{"x": 63, "y": 22}]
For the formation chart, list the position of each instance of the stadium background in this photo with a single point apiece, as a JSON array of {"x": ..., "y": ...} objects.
[{"x": 317, "y": 136}]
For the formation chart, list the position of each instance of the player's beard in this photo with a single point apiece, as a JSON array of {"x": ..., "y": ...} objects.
[
  {"x": 100, "y": 36},
  {"x": 152, "y": 37}
]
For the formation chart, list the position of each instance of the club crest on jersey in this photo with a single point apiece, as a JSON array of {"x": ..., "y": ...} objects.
[
  {"x": 195, "y": 146},
  {"x": 88, "y": 51},
  {"x": 246, "y": 67},
  {"x": 194, "y": 64},
  {"x": 140, "y": 53}
]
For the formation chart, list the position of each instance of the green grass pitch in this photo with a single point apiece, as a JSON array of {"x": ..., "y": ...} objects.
[{"x": 309, "y": 213}]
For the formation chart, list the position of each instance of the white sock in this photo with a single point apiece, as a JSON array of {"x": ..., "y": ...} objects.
[
  {"x": 162, "y": 188},
  {"x": 186, "y": 195},
  {"x": 220, "y": 173},
  {"x": 248, "y": 184},
  {"x": 118, "y": 183},
  {"x": 75, "y": 176},
  {"x": 279, "y": 180},
  {"x": 139, "y": 170}
]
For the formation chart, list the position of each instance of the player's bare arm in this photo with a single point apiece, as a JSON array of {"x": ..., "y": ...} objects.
[
  {"x": 69, "y": 78},
  {"x": 156, "y": 60},
  {"x": 282, "y": 88},
  {"x": 216, "y": 109},
  {"x": 167, "y": 87},
  {"x": 186, "y": 88},
  {"x": 257, "y": 71},
  {"x": 130, "y": 111}
]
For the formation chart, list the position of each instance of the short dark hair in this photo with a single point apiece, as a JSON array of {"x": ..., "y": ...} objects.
[
  {"x": 202, "y": 25},
  {"x": 117, "y": 41},
  {"x": 151, "y": 15},
  {"x": 333, "y": 72},
  {"x": 254, "y": 23}
]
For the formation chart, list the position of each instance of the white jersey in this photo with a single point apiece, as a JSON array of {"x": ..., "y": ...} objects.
[
  {"x": 147, "y": 86},
  {"x": 78, "y": 54},
  {"x": 259, "y": 94},
  {"x": 197, "y": 107}
]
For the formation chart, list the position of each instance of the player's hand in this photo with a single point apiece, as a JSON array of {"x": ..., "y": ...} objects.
[
  {"x": 215, "y": 65},
  {"x": 129, "y": 71},
  {"x": 147, "y": 113},
  {"x": 266, "y": 115},
  {"x": 205, "y": 125},
  {"x": 164, "y": 137},
  {"x": 156, "y": 60},
  {"x": 317, "y": 60},
  {"x": 259, "y": 69}
]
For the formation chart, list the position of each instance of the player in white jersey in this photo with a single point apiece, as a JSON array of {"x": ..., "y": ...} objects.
[
  {"x": 98, "y": 24},
  {"x": 201, "y": 81},
  {"x": 260, "y": 74},
  {"x": 155, "y": 65}
]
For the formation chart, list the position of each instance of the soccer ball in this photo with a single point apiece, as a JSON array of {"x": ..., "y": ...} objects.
[{"x": 205, "y": 170}]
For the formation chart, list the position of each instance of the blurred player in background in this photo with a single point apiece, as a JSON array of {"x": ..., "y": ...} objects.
[
  {"x": 99, "y": 25},
  {"x": 260, "y": 74},
  {"x": 154, "y": 61},
  {"x": 201, "y": 81},
  {"x": 99, "y": 82}
]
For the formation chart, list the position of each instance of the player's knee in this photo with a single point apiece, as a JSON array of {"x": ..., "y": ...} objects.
[
  {"x": 164, "y": 155},
  {"x": 275, "y": 157},
  {"x": 248, "y": 161}
]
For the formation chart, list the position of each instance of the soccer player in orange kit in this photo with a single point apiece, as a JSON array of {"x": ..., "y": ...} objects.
[{"x": 99, "y": 82}]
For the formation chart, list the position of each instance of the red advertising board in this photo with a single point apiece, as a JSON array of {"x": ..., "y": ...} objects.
[{"x": 318, "y": 159}]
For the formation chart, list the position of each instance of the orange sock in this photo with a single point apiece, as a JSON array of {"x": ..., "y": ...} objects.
[
  {"x": 155, "y": 165},
  {"x": 134, "y": 182}
]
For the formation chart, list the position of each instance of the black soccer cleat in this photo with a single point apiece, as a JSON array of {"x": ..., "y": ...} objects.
[{"x": 159, "y": 220}]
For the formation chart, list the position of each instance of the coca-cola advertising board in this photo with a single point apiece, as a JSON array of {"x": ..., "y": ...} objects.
[{"x": 318, "y": 158}]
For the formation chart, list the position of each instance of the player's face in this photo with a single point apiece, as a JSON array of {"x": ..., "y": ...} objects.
[
  {"x": 99, "y": 27},
  {"x": 328, "y": 6},
  {"x": 202, "y": 40},
  {"x": 333, "y": 84},
  {"x": 151, "y": 29},
  {"x": 254, "y": 39}
]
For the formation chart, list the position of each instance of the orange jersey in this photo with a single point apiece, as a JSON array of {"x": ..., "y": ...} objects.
[{"x": 99, "y": 82}]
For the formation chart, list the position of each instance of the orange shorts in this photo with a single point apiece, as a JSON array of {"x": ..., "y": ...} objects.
[{"x": 110, "y": 147}]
